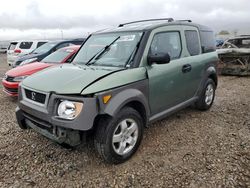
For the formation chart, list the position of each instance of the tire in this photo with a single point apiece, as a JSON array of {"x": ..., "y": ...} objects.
[
  {"x": 117, "y": 139},
  {"x": 206, "y": 99}
]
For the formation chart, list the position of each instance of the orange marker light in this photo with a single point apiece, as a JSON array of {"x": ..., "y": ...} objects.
[{"x": 106, "y": 99}]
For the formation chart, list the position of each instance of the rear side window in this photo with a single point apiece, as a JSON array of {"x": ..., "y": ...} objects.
[
  {"x": 25, "y": 45},
  {"x": 12, "y": 46},
  {"x": 77, "y": 42},
  {"x": 192, "y": 40},
  {"x": 167, "y": 42},
  {"x": 207, "y": 41},
  {"x": 40, "y": 44},
  {"x": 62, "y": 45}
]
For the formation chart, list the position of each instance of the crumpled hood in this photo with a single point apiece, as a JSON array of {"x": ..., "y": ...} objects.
[
  {"x": 66, "y": 79},
  {"x": 27, "y": 69}
]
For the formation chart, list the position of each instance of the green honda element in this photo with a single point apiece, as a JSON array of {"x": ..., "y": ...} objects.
[{"x": 120, "y": 81}]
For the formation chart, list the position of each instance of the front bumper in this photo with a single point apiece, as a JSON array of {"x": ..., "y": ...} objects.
[
  {"x": 10, "y": 88},
  {"x": 43, "y": 118}
]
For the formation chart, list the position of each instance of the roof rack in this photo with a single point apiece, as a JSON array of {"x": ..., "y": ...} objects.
[
  {"x": 149, "y": 20},
  {"x": 184, "y": 20}
]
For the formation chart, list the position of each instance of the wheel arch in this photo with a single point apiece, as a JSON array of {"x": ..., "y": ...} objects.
[{"x": 132, "y": 98}]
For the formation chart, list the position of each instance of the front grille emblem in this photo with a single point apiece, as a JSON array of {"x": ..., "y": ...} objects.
[{"x": 33, "y": 96}]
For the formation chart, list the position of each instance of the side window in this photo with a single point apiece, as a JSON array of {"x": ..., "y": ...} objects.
[
  {"x": 167, "y": 42},
  {"x": 62, "y": 45},
  {"x": 192, "y": 40},
  {"x": 40, "y": 44},
  {"x": 207, "y": 41},
  {"x": 25, "y": 45}
]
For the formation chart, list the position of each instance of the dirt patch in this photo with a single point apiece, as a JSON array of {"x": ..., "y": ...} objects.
[{"x": 188, "y": 149}]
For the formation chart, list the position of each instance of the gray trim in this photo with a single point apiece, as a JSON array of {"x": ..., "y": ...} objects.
[
  {"x": 172, "y": 110},
  {"x": 134, "y": 92},
  {"x": 34, "y": 102}
]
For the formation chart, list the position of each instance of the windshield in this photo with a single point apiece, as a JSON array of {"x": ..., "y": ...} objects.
[
  {"x": 44, "y": 48},
  {"x": 58, "y": 56},
  {"x": 112, "y": 49}
]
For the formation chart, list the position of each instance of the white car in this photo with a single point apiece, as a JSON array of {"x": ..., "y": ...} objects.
[{"x": 19, "y": 48}]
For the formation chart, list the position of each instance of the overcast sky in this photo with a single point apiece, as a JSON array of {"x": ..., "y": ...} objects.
[{"x": 76, "y": 18}]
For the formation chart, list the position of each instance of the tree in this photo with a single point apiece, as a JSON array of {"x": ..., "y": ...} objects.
[{"x": 224, "y": 32}]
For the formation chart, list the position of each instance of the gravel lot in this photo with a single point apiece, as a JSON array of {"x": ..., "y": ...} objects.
[{"x": 188, "y": 149}]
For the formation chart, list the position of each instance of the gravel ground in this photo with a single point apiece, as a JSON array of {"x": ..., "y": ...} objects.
[{"x": 188, "y": 149}]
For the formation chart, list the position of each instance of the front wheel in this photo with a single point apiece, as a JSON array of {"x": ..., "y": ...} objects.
[
  {"x": 207, "y": 96},
  {"x": 118, "y": 138}
]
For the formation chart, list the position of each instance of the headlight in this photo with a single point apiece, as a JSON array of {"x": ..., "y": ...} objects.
[
  {"x": 69, "y": 109},
  {"x": 19, "y": 78},
  {"x": 27, "y": 61}
]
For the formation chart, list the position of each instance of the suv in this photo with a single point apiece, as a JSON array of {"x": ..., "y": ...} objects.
[
  {"x": 45, "y": 50},
  {"x": 119, "y": 82},
  {"x": 19, "y": 48}
]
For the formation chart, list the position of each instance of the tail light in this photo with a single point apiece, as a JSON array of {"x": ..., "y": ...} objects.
[{"x": 17, "y": 51}]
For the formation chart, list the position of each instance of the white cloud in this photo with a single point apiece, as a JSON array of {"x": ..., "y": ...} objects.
[{"x": 39, "y": 18}]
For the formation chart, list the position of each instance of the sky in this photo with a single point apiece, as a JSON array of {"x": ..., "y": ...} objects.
[{"x": 46, "y": 19}]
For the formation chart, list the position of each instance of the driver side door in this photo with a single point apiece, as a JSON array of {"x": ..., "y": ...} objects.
[{"x": 166, "y": 81}]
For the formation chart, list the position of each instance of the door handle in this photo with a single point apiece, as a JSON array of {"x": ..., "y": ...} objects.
[{"x": 186, "y": 68}]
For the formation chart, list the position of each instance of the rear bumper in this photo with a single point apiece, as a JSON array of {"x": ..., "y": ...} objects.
[{"x": 10, "y": 88}]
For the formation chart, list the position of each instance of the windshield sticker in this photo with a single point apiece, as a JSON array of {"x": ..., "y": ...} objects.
[{"x": 127, "y": 38}]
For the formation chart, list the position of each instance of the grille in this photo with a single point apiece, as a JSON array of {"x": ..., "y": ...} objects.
[
  {"x": 35, "y": 96},
  {"x": 9, "y": 78},
  {"x": 11, "y": 90}
]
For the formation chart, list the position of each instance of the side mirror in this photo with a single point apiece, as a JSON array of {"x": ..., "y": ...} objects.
[{"x": 159, "y": 58}]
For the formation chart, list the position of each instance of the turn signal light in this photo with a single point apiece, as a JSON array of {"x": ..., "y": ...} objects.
[{"x": 106, "y": 99}]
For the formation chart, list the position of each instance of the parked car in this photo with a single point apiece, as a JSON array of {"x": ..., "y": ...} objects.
[
  {"x": 14, "y": 76},
  {"x": 119, "y": 82},
  {"x": 20, "y": 48},
  {"x": 45, "y": 50},
  {"x": 4, "y": 46}
]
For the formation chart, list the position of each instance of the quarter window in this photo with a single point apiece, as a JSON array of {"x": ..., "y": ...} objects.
[
  {"x": 40, "y": 44},
  {"x": 25, "y": 45},
  {"x": 192, "y": 41},
  {"x": 207, "y": 41},
  {"x": 168, "y": 42}
]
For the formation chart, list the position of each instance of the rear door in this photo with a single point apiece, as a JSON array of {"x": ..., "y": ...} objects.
[{"x": 193, "y": 58}]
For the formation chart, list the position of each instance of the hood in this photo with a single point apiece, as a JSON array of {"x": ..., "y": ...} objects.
[
  {"x": 29, "y": 56},
  {"x": 27, "y": 69},
  {"x": 67, "y": 78}
]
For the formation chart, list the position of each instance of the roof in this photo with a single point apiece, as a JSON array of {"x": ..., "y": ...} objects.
[{"x": 145, "y": 25}]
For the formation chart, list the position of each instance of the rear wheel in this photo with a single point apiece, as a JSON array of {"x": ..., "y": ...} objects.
[
  {"x": 118, "y": 138},
  {"x": 207, "y": 97}
]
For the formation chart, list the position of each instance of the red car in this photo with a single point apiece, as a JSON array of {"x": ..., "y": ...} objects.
[{"x": 14, "y": 76}]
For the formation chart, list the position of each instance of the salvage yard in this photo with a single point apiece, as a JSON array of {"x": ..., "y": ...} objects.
[{"x": 188, "y": 149}]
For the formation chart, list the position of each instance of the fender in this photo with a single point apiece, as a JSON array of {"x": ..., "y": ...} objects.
[
  {"x": 123, "y": 98},
  {"x": 210, "y": 71},
  {"x": 134, "y": 92}
]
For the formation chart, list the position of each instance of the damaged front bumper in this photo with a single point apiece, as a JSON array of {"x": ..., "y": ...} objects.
[{"x": 43, "y": 118}]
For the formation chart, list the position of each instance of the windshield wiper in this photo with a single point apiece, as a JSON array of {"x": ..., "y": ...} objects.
[
  {"x": 129, "y": 60},
  {"x": 102, "y": 51}
]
